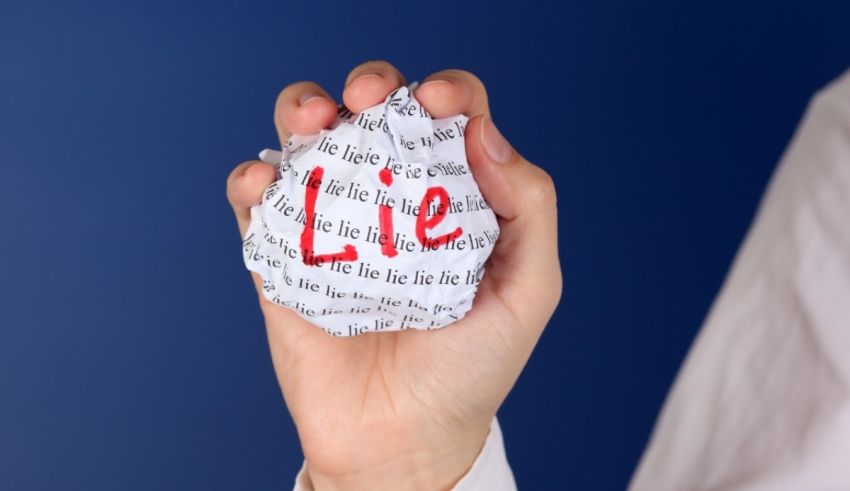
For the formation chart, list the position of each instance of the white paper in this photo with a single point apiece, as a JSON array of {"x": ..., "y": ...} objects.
[{"x": 375, "y": 263}]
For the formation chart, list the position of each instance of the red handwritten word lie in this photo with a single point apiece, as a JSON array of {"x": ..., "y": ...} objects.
[
  {"x": 349, "y": 253},
  {"x": 385, "y": 221}
]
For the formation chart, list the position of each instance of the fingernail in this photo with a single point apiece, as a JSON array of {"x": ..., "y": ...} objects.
[
  {"x": 494, "y": 143},
  {"x": 366, "y": 76},
  {"x": 306, "y": 98},
  {"x": 435, "y": 83}
]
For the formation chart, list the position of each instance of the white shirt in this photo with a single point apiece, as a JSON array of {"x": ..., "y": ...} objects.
[
  {"x": 763, "y": 399},
  {"x": 762, "y": 402}
]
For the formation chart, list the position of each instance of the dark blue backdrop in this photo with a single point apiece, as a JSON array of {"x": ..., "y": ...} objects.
[{"x": 132, "y": 352}]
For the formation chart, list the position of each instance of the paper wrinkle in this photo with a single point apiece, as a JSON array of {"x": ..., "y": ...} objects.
[{"x": 342, "y": 298}]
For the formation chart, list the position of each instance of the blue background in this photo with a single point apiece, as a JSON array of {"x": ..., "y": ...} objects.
[{"x": 132, "y": 352}]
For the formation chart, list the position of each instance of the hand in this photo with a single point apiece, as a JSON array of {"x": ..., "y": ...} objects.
[{"x": 411, "y": 409}]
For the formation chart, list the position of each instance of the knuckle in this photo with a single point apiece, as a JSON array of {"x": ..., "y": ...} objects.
[{"x": 541, "y": 194}]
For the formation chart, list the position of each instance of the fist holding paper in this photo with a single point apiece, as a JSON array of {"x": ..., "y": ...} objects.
[{"x": 375, "y": 224}]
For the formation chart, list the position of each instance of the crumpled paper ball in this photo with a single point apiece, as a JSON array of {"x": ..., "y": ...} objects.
[{"x": 375, "y": 224}]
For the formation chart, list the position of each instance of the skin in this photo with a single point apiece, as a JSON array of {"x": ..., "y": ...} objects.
[{"x": 411, "y": 409}]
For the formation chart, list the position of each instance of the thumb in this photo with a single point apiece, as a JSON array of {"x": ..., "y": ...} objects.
[{"x": 524, "y": 266}]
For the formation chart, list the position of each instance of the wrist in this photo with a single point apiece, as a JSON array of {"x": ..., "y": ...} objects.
[{"x": 432, "y": 467}]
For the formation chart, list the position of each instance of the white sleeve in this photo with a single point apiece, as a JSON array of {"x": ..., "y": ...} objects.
[
  {"x": 489, "y": 472},
  {"x": 763, "y": 399}
]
